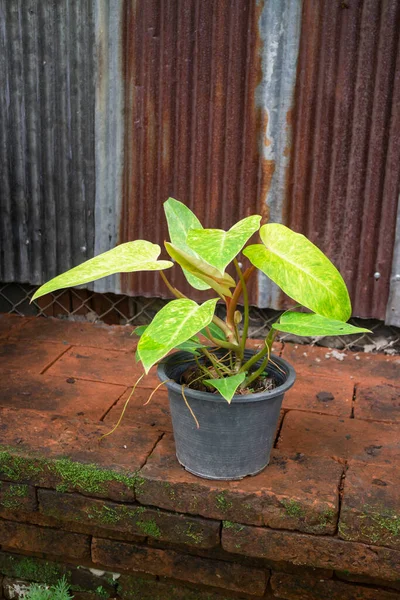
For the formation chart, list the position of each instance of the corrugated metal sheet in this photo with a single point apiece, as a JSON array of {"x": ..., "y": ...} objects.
[
  {"x": 195, "y": 129},
  {"x": 344, "y": 180},
  {"x": 46, "y": 137},
  {"x": 279, "y": 29},
  {"x": 393, "y": 306}
]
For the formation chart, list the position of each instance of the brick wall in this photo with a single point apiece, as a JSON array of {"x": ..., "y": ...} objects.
[{"x": 121, "y": 519}]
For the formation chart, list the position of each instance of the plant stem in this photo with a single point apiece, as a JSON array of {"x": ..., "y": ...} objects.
[
  {"x": 256, "y": 373},
  {"x": 221, "y": 343},
  {"x": 171, "y": 288},
  {"x": 266, "y": 350},
  {"x": 212, "y": 361},
  {"x": 236, "y": 295},
  {"x": 246, "y": 308}
]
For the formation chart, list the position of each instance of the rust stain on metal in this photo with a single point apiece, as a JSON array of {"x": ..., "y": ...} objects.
[
  {"x": 192, "y": 128},
  {"x": 344, "y": 179}
]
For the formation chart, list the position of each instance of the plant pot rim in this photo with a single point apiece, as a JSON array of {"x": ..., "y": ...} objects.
[{"x": 237, "y": 399}]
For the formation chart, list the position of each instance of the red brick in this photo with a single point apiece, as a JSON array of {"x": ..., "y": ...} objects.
[
  {"x": 72, "y": 333},
  {"x": 29, "y": 538},
  {"x": 17, "y": 496},
  {"x": 132, "y": 519},
  {"x": 155, "y": 414},
  {"x": 323, "y": 552},
  {"x": 378, "y": 403},
  {"x": 167, "y": 563},
  {"x": 364, "y": 579},
  {"x": 9, "y": 324},
  {"x": 87, "y": 528},
  {"x": 371, "y": 505},
  {"x": 358, "y": 367},
  {"x": 295, "y": 492},
  {"x": 40, "y": 446},
  {"x": 291, "y": 587},
  {"x": 30, "y": 357},
  {"x": 323, "y": 395},
  {"x": 323, "y": 435},
  {"x": 108, "y": 366},
  {"x": 67, "y": 396},
  {"x": 144, "y": 588}
]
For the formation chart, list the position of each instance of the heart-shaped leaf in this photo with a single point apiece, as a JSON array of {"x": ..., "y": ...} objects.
[
  {"x": 140, "y": 330},
  {"x": 227, "y": 386},
  {"x": 314, "y": 325},
  {"x": 218, "y": 247},
  {"x": 176, "y": 322},
  {"x": 139, "y": 255},
  {"x": 192, "y": 346},
  {"x": 180, "y": 219},
  {"x": 201, "y": 269},
  {"x": 301, "y": 270},
  {"x": 215, "y": 331}
]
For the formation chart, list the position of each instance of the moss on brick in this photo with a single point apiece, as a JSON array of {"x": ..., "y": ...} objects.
[
  {"x": 233, "y": 526},
  {"x": 87, "y": 477},
  {"x": 13, "y": 495},
  {"x": 84, "y": 477},
  {"x": 221, "y": 502},
  {"x": 31, "y": 569},
  {"x": 293, "y": 509}
]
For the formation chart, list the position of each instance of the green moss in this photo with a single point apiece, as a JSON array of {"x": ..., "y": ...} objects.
[
  {"x": 13, "y": 495},
  {"x": 222, "y": 503},
  {"x": 32, "y": 569},
  {"x": 234, "y": 526},
  {"x": 102, "y": 592},
  {"x": 149, "y": 528},
  {"x": 193, "y": 535},
  {"x": 381, "y": 525},
  {"x": 326, "y": 518},
  {"x": 87, "y": 477},
  {"x": 293, "y": 509},
  {"x": 19, "y": 468},
  {"x": 170, "y": 490}
]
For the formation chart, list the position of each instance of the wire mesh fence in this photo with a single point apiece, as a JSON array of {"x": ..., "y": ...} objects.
[{"x": 84, "y": 305}]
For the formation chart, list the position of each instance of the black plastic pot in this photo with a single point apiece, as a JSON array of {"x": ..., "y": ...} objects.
[{"x": 234, "y": 440}]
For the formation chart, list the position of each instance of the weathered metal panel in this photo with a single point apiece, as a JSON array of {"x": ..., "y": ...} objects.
[
  {"x": 46, "y": 137},
  {"x": 109, "y": 131},
  {"x": 201, "y": 78},
  {"x": 279, "y": 28},
  {"x": 344, "y": 180}
]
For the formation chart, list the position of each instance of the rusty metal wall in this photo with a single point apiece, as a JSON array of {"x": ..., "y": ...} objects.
[
  {"x": 47, "y": 171},
  {"x": 191, "y": 71},
  {"x": 344, "y": 179},
  {"x": 288, "y": 108}
]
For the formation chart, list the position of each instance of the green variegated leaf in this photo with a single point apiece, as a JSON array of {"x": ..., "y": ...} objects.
[
  {"x": 139, "y": 255},
  {"x": 218, "y": 247},
  {"x": 201, "y": 269},
  {"x": 301, "y": 270},
  {"x": 215, "y": 331},
  {"x": 314, "y": 325},
  {"x": 227, "y": 386},
  {"x": 175, "y": 323},
  {"x": 180, "y": 219},
  {"x": 140, "y": 330}
]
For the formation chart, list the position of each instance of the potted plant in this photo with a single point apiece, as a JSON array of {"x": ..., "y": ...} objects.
[{"x": 225, "y": 400}]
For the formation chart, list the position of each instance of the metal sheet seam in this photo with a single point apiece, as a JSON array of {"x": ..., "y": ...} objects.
[
  {"x": 109, "y": 147},
  {"x": 279, "y": 26}
]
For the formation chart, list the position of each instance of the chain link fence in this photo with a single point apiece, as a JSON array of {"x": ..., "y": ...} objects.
[{"x": 112, "y": 309}]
